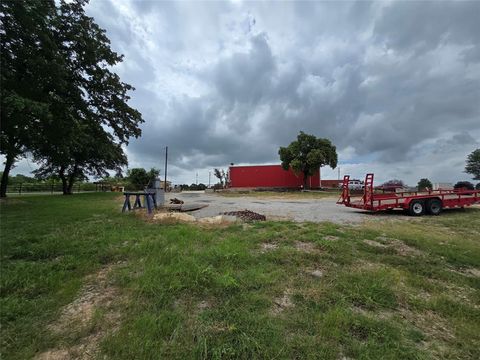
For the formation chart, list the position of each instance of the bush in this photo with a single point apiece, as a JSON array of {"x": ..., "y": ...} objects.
[
  {"x": 139, "y": 178},
  {"x": 477, "y": 186},
  {"x": 424, "y": 184},
  {"x": 464, "y": 185},
  {"x": 196, "y": 187},
  {"x": 394, "y": 183}
]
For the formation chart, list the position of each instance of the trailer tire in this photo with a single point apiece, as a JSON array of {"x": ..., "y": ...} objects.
[
  {"x": 434, "y": 206},
  {"x": 416, "y": 208}
]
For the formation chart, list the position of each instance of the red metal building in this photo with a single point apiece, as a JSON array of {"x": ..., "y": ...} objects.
[{"x": 268, "y": 176}]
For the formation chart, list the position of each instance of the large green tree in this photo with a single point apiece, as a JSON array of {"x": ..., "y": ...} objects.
[
  {"x": 31, "y": 69},
  {"x": 86, "y": 117},
  {"x": 473, "y": 164},
  {"x": 96, "y": 98},
  {"x": 89, "y": 152},
  {"x": 307, "y": 154}
]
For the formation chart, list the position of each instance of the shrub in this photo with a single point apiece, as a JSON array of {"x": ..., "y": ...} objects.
[
  {"x": 464, "y": 185},
  {"x": 423, "y": 184}
]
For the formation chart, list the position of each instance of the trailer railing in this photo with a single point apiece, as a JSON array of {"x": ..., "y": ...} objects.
[{"x": 374, "y": 201}]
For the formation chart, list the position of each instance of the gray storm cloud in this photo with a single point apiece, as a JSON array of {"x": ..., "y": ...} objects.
[{"x": 230, "y": 82}]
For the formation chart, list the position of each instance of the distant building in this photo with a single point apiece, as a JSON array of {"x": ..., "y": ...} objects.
[
  {"x": 443, "y": 186},
  {"x": 272, "y": 176}
]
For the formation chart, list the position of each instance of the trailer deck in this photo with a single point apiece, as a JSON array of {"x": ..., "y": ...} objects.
[{"x": 415, "y": 202}]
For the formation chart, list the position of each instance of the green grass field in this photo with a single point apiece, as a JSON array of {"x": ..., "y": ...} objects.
[{"x": 79, "y": 279}]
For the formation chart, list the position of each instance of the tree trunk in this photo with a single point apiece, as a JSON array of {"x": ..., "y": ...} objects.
[
  {"x": 6, "y": 171},
  {"x": 71, "y": 180},
  {"x": 64, "y": 185},
  {"x": 305, "y": 178},
  {"x": 70, "y": 188},
  {"x": 61, "y": 175}
]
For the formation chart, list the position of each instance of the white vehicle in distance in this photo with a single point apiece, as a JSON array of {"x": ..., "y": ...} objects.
[{"x": 356, "y": 185}]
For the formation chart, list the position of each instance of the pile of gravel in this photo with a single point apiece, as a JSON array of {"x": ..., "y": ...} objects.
[{"x": 246, "y": 215}]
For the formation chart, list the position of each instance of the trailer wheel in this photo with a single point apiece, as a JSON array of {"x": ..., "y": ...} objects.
[
  {"x": 434, "y": 206},
  {"x": 417, "y": 208}
]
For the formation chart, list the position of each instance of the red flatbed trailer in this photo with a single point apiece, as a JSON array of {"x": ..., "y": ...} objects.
[{"x": 415, "y": 202}]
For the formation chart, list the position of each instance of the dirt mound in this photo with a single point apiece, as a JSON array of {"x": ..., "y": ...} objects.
[
  {"x": 174, "y": 217},
  {"x": 246, "y": 215}
]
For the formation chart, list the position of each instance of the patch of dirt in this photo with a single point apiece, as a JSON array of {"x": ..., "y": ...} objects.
[
  {"x": 473, "y": 271},
  {"x": 436, "y": 329},
  {"x": 54, "y": 355},
  {"x": 203, "y": 305},
  {"x": 98, "y": 294},
  {"x": 470, "y": 272},
  {"x": 455, "y": 292},
  {"x": 362, "y": 265},
  {"x": 400, "y": 247},
  {"x": 86, "y": 350},
  {"x": 266, "y": 247},
  {"x": 403, "y": 249},
  {"x": 217, "y": 220},
  {"x": 316, "y": 273},
  {"x": 282, "y": 303},
  {"x": 174, "y": 217},
  {"x": 330, "y": 238},
  {"x": 374, "y": 243},
  {"x": 382, "y": 314},
  {"x": 193, "y": 307},
  {"x": 305, "y": 246}
]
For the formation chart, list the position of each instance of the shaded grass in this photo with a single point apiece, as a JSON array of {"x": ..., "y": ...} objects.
[{"x": 209, "y": 293}]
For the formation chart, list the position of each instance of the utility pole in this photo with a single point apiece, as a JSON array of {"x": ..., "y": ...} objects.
[
  {"x": 339, "y": 173},
  {"x": 209, "y": 176},
  {"x": 166, "y": 162},
  {"x": 196, "y": 178}
]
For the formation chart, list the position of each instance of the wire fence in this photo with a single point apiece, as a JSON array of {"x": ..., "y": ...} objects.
[{"x": 27, "y": 188}]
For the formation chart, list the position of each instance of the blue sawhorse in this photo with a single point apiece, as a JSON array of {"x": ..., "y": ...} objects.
[{"x": 149, "y": 201}]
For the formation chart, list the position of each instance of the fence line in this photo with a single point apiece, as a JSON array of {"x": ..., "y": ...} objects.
[{"x": 53, "y": 188}]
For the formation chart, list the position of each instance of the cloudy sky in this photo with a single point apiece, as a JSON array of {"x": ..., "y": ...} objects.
[{"x": 394, "y": 85}]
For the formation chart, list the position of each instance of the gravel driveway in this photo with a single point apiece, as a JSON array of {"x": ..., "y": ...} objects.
[{"x": 315, "y": 210}]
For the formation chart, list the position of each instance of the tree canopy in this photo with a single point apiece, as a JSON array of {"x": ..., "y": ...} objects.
[
  {"x": 29, "y": 69},
  {"x": 307, "y": 154},
  {"x": 394, "y": 183},
  {"x": 464, "y": 185},
  {"x": 60, "y": 100},
  {"x": 221, "y": 175},
  {"x": 140, "y": 177},
  {"x": 424, "y": 184},
  {"x": 473, "y": 164}
]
